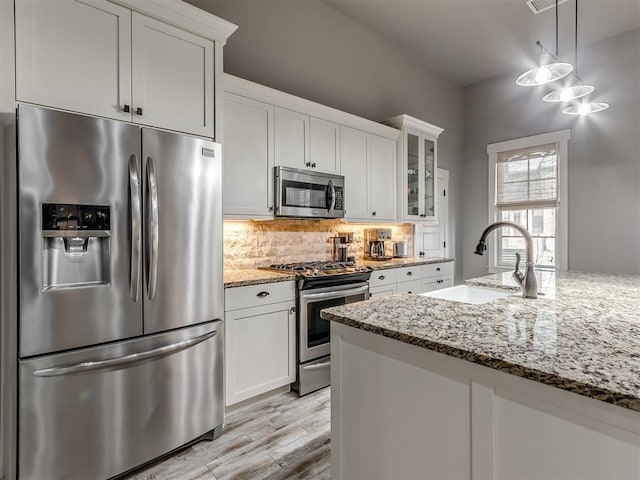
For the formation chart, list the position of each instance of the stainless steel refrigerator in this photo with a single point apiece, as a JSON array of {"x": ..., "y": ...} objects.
[{"x": 120, "y": 294}]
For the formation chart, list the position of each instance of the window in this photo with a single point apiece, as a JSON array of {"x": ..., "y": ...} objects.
[{"x": 528, "y": 186}]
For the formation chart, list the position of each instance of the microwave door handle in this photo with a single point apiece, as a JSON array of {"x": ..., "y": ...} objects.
[{"x": 331, "y": 193}]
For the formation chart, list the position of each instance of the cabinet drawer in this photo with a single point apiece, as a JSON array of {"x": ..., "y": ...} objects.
[
  {"x": 436, "y": 283},
  {"x": 406, "y": 274},
  {"x": 437, "y": 269},
  {"x": 414, "y": 286},
  {"x": 256, "y": 295},
  {"x": 382, "y": 277}
]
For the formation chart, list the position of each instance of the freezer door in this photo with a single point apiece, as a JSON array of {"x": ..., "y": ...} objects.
[
  {"x": 183, "y": 230},
  {"x": 101, "y": 411},
  {"x": 78, "y": 288}
]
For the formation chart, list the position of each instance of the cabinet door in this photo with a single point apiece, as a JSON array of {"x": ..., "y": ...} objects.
[
  {"x": 172, "y": 78},
  {"x": 248, "y": 157},
  {"x": 324, "y": 148},
  {"x": 74, "y": 55},
  {"x": 429, "y": 182},
  {"x": 260, "y": 350},
  {"x": 353, "y": 155},
  {"x": 414, "y": 286},
  {"x": 381, "y": 177},
  {"x": 411, "y": 173},
  {"x": 436, "y": 283},
  {"x": 291, "y": 138}
]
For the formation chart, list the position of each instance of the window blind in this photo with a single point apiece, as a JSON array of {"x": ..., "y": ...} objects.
[{"x": 527, "y": 178}]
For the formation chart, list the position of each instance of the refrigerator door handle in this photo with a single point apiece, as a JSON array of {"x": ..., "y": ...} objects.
[
  {"x": 152, "y": 185},
  {"x": 136, "y": 226},
  {"x": 126, "y": 359}
]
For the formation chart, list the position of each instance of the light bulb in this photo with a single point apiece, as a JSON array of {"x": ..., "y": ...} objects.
[
  {"x": 543, "y": 75},
  {"x": 584, "y": 108},
  {"x": 567, "y": 94}
]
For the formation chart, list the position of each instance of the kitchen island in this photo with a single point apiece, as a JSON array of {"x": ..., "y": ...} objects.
[{"x": 515, "y": 388}]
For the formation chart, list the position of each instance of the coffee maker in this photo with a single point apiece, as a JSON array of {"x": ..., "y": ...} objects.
[
  {"x": 374, "y": 248},
  {"x": 341, "y": 246}
]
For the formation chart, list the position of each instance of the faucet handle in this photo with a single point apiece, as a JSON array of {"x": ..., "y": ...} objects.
[{"x": 517, "y": 274}]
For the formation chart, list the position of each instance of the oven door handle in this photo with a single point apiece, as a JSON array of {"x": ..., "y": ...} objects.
[
  {"x": 316, "y": 366},
  {"x": 335, "y": 294}
]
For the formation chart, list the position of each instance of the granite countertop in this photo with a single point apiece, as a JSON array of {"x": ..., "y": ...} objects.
[
  {"x": 254, "y": 276},
  {"x": 583, "y": 335}
]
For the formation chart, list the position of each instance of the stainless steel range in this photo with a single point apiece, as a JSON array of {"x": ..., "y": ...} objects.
[{"x": 321, "y": 285}]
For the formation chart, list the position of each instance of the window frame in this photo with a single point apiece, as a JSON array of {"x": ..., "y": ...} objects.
[{"x": 561, "y": 137}]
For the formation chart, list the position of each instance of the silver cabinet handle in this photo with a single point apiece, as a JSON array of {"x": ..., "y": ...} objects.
[
  {"x": 136, "y": 225},
  {"x": 117, "y": 361},
  {"x": 316, "y": 366},
  {"x": 152, "y": 186},
  {"x": 262, "y": 294},
  {"x": 332, "y": 189}
]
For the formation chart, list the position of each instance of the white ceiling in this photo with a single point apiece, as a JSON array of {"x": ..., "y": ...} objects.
[{"x": 471, "y": 40}]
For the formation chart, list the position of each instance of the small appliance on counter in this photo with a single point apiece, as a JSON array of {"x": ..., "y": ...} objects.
[
  {"x": 374, "y": 247},
  {"x": 341, "y": 246},
  {"x": 400, "y": 249}
]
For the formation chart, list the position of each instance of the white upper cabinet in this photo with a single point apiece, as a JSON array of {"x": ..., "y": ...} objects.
[
  {"x": 325, "y": 146},
  {"x": 100, "y": 58},
  {"x": 417, "y": 165},
  {"x": 248, "y": 157},
  {"x": 354, "y": 167},
  {"x": 291, "y": 138},
  {"x": 74, "y": 55},
  {"x": 172, "y": 77},
  {"x": 368, "y": 165}
]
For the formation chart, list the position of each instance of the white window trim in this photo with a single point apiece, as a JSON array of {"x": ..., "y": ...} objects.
[{"x": 560, "y": 137}]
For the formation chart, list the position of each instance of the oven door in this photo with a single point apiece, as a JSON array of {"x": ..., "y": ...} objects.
[
  {"x": 300, "y": 193},
  {"x": 314, "y": 335}
]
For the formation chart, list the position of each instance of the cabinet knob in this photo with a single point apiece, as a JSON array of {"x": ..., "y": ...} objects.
[
  {"x": 126, "y": 109},
  {"x": 409, "y": 274},
  {"x": 308, "y": 164},
  {"x": 381, "y": 277},
  {"x": 313, "y": 165},
  {"x": 138, "y": 111},
  {"x": 439, "y": 281},
  {"x": 409, "y": 291},
  {"x": 438, "y": 269},
  {"x": 292, "y": 310},
  {"x": 373, "y": 214},
  {"x": 421, "y": 253},
  {"x": 262, "y": 294},
  {"x": 271, "y": 208}
]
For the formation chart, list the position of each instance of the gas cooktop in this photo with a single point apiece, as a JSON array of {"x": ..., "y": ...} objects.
[{"x": 319, "y": 269}]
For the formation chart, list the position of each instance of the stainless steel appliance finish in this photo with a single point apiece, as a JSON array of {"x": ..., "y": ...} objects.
[
  {"x": 400, "y": 249},
  {"x": 121, "y": 293},
  {"x": 321, "y": 285},
  {"x": 374, "y": 241},
  {"x": 303, "y": 193},
  {"x": 91, "y": 415}
]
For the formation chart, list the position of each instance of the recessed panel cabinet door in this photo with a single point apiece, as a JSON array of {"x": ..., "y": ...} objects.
[
  {"x": 381, "y": 178},
  {"x": 248, "y": 157},
  {"x": 172, "y": 77},
  {"x": 74, "y": 55},
  {"x": 325, "y": 146},
  {"x": 353, "y": 151},
  {"x": 291, "y": 138}
]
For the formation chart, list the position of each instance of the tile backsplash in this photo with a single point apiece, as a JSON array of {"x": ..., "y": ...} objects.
[{"x": 251, "y": 244}]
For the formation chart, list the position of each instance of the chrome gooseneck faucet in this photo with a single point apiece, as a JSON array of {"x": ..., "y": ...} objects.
[{"x": 526, "y": 280}]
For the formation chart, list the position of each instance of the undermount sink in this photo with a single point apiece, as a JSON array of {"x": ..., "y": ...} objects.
[{"x": 468, "y": 294}]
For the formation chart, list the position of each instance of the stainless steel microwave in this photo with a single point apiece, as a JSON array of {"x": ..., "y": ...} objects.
[{"x": 308, "y": 194}]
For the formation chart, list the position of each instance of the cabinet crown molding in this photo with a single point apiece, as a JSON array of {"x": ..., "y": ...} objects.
[
  {"x": 246, "y": 88},
  {"x": 404, "y": 120},
  {"x": 185, "y": 16}
]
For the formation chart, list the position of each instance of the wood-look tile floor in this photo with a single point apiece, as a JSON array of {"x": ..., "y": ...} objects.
[{"x": 281, "y": 437}]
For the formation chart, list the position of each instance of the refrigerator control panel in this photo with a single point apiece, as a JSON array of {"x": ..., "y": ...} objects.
[{"x": 64, "y": 216}]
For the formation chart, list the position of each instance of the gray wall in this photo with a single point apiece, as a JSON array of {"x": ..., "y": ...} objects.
[
  {"x": 308, "y": 49},
  {"x": 604, "y": 156}
]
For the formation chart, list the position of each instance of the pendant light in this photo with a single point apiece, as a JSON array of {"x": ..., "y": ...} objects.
[
  {"x": 549, "y": 69},
  {"x": 576, "y": 91}
]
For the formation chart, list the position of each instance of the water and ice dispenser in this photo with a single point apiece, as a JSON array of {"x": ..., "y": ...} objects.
[{"x": 75, "y": 245}]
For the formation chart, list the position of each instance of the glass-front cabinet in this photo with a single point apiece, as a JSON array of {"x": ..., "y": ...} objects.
[{"x": 417, "y": 162}]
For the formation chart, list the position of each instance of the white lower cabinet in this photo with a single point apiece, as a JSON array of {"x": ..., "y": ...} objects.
[
  {"x": 415, "y": 279},
  {"x": 260, "y": 350}
]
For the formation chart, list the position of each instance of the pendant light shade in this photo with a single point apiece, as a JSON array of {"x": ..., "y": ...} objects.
[
  {"x": 567, "y": 94},
  {"x": 544, "y": 74},
  {"x": 585, "y": 108}
]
